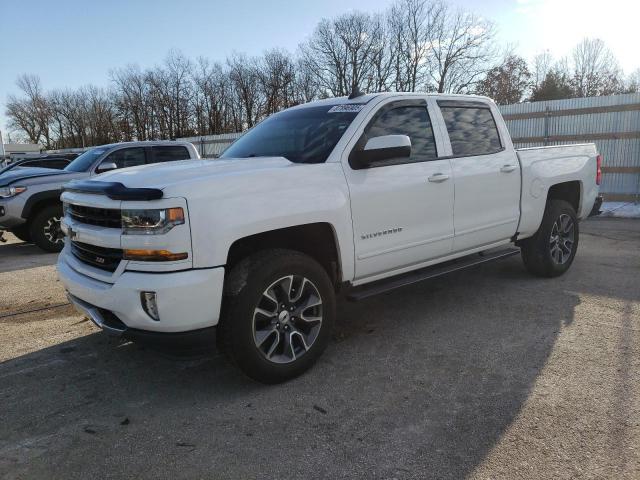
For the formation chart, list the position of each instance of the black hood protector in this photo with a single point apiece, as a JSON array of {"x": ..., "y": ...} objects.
[{"x": 113, "y": 190}]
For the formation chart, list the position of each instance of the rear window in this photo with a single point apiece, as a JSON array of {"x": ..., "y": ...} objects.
[
  {"x": 169, "y": 154},
  {"x": 472, "y": 130}
]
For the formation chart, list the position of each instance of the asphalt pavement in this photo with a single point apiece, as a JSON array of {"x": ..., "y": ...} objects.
[{"x": 487, "y": 373}]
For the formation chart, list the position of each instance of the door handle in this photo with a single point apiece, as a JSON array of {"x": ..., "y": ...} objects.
[
  {"x": 438, "y": 177},
  {"x": 508, "y": 168}
]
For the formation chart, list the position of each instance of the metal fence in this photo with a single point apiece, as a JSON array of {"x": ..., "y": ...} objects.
[
  {"x": 612, "y": 123},
  {"x": 210, "y": 146}
]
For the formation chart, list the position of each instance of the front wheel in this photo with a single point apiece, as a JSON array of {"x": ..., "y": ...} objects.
[
  {"x": 550, "y": 252},
  {"x": 45, "y": 229},
  {"x": 278, "y": 312}
]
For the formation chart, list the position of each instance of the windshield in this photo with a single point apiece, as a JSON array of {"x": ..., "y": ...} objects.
[
  {"x": 305, "y": 135},
  {"x": 84, "y": 161}
]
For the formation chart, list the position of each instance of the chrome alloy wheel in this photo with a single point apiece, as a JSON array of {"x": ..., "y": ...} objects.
[
  {"x": 287, "y": 319},
  {"x": 52, "y": 230},
  {"x": 562, "y": 239}
]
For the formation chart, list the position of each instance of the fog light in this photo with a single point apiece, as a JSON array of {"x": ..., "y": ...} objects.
[{"x": 149, "y": 304}]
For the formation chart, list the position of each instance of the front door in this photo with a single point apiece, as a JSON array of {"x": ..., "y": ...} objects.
[{"x": 402, "y": 209}]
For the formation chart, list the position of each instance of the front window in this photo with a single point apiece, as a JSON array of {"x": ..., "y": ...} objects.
[
  {"x": 127, "y": 157},
  {"x": 304, "y": 135},
  {"x": 83, "y": 162}
]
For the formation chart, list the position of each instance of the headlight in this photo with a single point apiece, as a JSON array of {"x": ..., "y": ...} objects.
[
  {"x": 6, "y": 192},
  {"x": 151, "y": 222}
]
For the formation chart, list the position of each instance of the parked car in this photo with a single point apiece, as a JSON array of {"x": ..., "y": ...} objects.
[
  {"x": 56, "y": 163},
  {"x": 30, "y": 205},
  {"x": 356, "y": 195}
]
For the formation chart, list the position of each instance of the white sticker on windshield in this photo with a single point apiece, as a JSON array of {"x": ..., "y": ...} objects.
[{"x": 347, "y": 107}]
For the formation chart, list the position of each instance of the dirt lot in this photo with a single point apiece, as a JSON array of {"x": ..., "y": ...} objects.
[{"x": 488, "y": 373}]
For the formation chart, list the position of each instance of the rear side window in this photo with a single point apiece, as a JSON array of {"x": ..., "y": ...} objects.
[
  {"x": 472, "y": 130},
  {"x": 127, "y": 157},
  {"x": 169, "y": 154},
  {"x": 412, "y": 121}
]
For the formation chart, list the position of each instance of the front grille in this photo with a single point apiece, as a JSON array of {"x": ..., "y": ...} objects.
[
  {"x": 100, "y": 257},
  {"x": 102, "y": 217}
]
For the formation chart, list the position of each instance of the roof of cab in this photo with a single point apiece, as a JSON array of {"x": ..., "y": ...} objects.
[
  {"x": 143, "y": 143},
  {"x": 366, "y": 98}
]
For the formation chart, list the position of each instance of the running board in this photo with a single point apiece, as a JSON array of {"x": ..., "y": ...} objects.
[{"x": 402, "y": 280}]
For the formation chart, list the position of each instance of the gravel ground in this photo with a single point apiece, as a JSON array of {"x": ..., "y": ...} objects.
[{"x": 484, "y": 374}]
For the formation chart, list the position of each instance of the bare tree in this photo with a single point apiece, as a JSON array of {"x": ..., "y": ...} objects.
[
  {"x": 348, "y": 53},
  {"x": 178, "y": 70},
  {"x": 211, "y": 95},
  {"x": 132, "y": 102},
  {"x": 307, "y": 87},
  {"x": 633, "y": 82},
  {"x": 245, "y": 82},
  {"x": 412, "y": 25},
  {"x": 595, "y": 69},
  {"x": 542, "y": 65},
  {"x": 276, "y": 77},
  {"x": 31, "y": 114},
  {"x": 416, "y": 45},
  {"x": 462, "y": 50}
]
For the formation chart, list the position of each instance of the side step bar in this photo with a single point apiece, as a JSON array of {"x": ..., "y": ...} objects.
[{"x": 402, "y": 280}]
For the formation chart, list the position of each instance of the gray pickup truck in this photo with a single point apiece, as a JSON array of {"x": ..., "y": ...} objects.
[{"x": 30, "y": 205}]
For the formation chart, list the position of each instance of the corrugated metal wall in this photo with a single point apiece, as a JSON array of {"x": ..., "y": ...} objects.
[
  {"x": 210, "y": 146},
  {"x": 612, "y": 122}
]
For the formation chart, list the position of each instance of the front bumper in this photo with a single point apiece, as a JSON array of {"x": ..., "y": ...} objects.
[
  {"x": 187, "y": 300},
  {"x": 9, "y": 218},
  {"x": 202, "y": 338}
]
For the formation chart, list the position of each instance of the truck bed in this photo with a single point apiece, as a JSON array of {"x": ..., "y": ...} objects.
[{"x": 543, "y": 167}]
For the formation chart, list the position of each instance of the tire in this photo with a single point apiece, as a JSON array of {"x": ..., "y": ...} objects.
[
  {"x": 45, "y": 229},
  {"x": 550, "y": 252},
  {"x": 22, "y": 233},
  {"x": 269, "y": 343}
]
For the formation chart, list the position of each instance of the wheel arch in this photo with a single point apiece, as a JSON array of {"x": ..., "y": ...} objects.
[
  {"x": 318, "y": 240},
  {"x": 39, "y": 200},
  {"x": 570, "y": 192}
]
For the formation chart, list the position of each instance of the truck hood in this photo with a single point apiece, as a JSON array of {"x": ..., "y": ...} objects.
[
  {"x": 24, "y": 173},
  {"x": 185, "y": 172}
]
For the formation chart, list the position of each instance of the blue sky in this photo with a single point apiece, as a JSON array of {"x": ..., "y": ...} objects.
[{"x": 70, "y": 43}]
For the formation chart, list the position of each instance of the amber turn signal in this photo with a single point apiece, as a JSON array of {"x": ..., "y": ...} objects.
[{"x": 154, "y": 255}]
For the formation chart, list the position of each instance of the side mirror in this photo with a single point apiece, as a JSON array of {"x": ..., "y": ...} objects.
[
  {"x": 106, "y": 166},
  {"x": 382, "y": 148}
]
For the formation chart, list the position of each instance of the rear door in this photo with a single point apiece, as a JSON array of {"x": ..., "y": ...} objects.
[
  {"x": 402, "y": 209},
  {"x": 486, "y": 174}
]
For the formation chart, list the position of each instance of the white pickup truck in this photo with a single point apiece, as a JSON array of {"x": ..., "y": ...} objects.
[{"x": 356, "y": 195}]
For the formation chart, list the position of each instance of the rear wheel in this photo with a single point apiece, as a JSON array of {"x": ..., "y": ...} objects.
[
  {"x": 278, "y": 312},
  {"x": 22, "y": 232},
  {"x": 550, "y": 252},
  {"x": 45, "y": 229}
]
